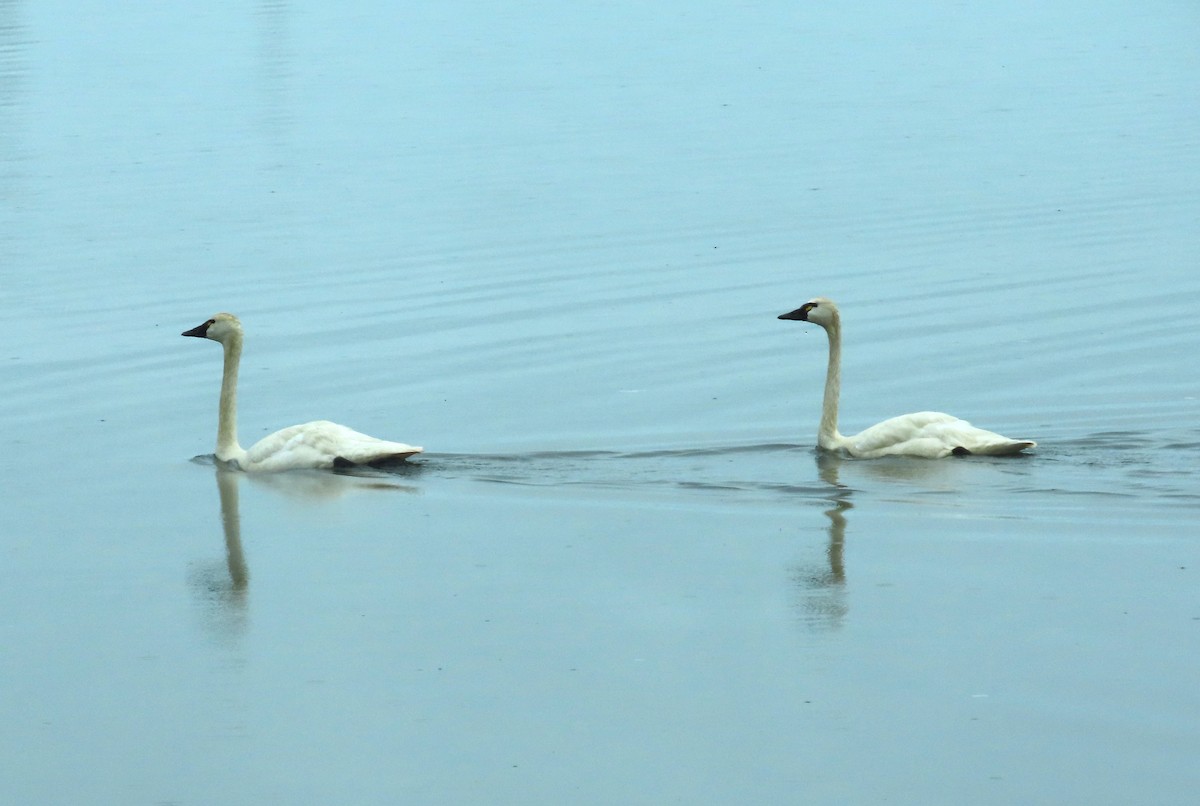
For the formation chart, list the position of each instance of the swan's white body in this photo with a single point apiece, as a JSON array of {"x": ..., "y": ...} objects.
[
  {"x": 927, "y": 434},
  {"x": 315, "y": 445}
]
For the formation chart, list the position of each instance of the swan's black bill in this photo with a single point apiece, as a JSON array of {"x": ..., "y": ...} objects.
[
  {"x": 798, "y": 315},
  {"x": 199, "y": 331}
]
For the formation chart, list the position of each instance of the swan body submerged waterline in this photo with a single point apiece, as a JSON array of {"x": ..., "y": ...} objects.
[
  {"x": 316, "y": 445},
  {"x": 927, "y": 434}
]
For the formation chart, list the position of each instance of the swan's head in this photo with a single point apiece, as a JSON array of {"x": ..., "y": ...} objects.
[
  {"x": 220, "y": 328},
  {"x": 819, "y": 311}
]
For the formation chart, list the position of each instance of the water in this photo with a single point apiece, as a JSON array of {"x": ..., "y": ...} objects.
[{"x": 549, "y": 244}]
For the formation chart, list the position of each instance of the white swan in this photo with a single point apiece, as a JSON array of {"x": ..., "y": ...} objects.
[
  {"x": 319, "y": 444},
  {"x": 928, "y": 434}
]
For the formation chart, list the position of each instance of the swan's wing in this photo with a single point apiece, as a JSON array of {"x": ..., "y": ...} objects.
[
  {"x": 359, "y": 448},
  {"x": 960, "y": 435},
  {"x": 908, "y": 434},
  {"x": 931, "y": 434},
  {"x": 320, "y": 444}
]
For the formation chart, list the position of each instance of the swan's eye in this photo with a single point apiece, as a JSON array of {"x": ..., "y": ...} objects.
[{"x": 210, "y": 323}]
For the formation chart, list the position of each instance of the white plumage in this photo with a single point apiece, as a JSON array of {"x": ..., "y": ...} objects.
[
  {"x": 927, "y": 434},
  {"x": 319, "y": 444}
]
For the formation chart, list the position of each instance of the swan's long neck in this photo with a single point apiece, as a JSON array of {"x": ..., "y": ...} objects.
[
  {"x": 827, "y": 435},
  {"x": 227, "y": 442}
]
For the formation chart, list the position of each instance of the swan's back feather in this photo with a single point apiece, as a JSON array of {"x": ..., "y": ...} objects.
[
  {"x": 930, "y": 434},
  {"x": 320, "y": 444}
]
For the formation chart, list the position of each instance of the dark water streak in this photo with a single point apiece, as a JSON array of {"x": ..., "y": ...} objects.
[{"x": 1151, "y": 470}]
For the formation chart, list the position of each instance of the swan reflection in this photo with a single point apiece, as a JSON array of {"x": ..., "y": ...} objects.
[
  {"x": 313, "y": 485},
  {"x": 224, "y": 588},
  {"x": 231, "y": 523},
  {"x": 824, "y": 586}
]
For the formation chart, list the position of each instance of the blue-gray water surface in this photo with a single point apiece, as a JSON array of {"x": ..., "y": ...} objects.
[{"x": 549, "y": 243}]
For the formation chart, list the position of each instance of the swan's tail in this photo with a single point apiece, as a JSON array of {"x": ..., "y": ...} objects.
[{"x": 1006, "y": 448}]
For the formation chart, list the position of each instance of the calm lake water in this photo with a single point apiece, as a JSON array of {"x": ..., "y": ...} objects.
[{"x": 548, "y": 242}]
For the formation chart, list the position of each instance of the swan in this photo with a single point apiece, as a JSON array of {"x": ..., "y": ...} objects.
[
  {"x": 316, "y": 445},
  {"x": 927, "y": 434}
]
